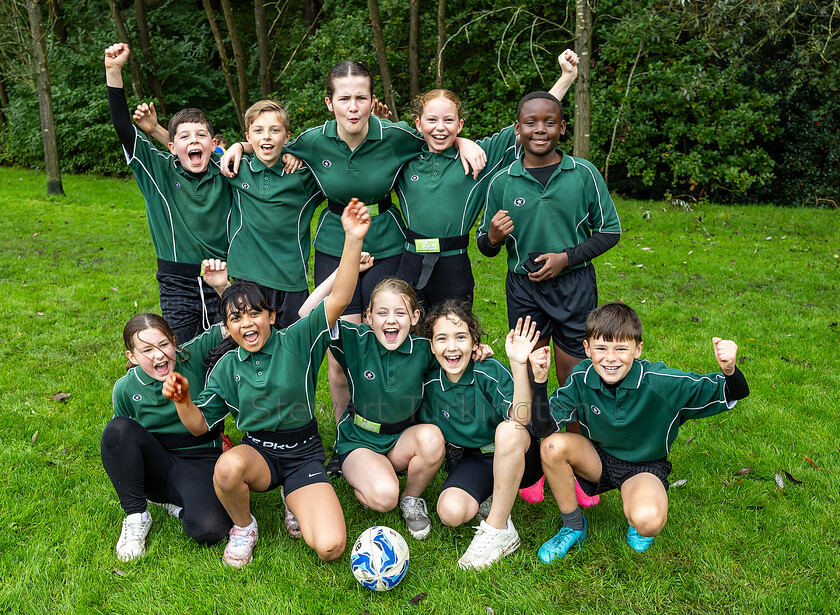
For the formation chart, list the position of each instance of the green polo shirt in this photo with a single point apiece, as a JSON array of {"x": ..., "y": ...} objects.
[
  {"x": 272, "y": 389},
  {"x": 188, "y": 217},
  {"x": 386, "y": 386},
  {"x": 367, "y": 173},
  {"x": 270, "y": 224},
  {"x": 438, "y": 200},
  {"x": 641, "y": 421},
  {"x": 468, "y": 411},
  {"x": 138, "y": 396},
  {"x": 574, "y": 203}
]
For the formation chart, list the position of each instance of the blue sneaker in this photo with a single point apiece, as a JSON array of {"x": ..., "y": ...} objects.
[
  {"x": 563, "y": 540},
  {"x": 637, "y": 541}
]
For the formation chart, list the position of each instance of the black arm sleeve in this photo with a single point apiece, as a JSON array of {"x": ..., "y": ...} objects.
[
  {"x": 596, "y": 245},
  {"x": 542, "y": 423},
  {"x": 736, "y": 386},
  {"x": 121, "y": 118},
  {"x": 485, "y": 247}
]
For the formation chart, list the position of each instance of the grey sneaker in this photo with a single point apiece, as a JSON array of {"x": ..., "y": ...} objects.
[
  {"x": 416, "y": 516},
  {"x": 173, "y": 510},
  {"x": 489, "y": 546},
  {"x": 132, "y": 542},
  {"x": 484, "y": 509}
]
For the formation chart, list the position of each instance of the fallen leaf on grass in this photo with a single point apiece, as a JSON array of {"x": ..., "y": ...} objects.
[
  {"x": 490, "y": 611},
  {"x": 791, "y": 478},
  {"x": 780, "y": 481},
  {"x": 679, "y": 483},
  {"x": 418, "y": 598},
  {"x": 119, "y": 572},
  {"x": 808, "y": 459},
  {"x": 743, "y": 471},
  {"x": 64, "y": 451},
  {"x": 695, "y": 319},
  {"x": 61, "y": 397},
  {"x": 690, "y": 440},
  {"x": 34, "y": 437}
]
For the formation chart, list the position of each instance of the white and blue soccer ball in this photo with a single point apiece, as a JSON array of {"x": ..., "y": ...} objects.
[{"x": 379, "y": 558}]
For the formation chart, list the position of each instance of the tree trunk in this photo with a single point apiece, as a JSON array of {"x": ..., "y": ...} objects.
[
  {"x": 220, "y": 46},
  {"x": 238, "y": 57},
  {"x": 413, "y": 36},
  {"x": 4, "y": 99},
  {"x": 262, "y": 46},
  {"x": 59, "y": 24},
  {"x": 122, "y": 35},
  {"x": 148, "y": 56},
  {"x": 42, "y": 75},
  {"x": 583, "y": 84},
  {"x": 311, "y": 10},
  {"x": 441, "y": 24},
  {"x": 379, "y": 42}
]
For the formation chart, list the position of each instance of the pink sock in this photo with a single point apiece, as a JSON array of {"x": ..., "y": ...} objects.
[
  {"x": 534, "y": 493},
  {"x": 584, "y": 500}
]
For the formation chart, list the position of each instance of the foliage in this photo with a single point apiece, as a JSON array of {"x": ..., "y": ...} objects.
[{"x": 729, "y": 100}]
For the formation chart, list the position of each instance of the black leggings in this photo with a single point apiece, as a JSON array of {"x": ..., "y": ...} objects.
[{"x": 141, "y": 468}]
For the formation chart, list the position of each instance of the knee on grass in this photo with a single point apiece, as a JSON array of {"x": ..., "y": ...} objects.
[
  {"x": 329, "y": 548},
  {"x": 206, "y": 530}
]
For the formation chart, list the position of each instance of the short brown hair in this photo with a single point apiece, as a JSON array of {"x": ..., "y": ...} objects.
[
  {"x": 189, "y": 115},
  {"x": 265, "y": 106},
  {"x": 614, "y": 322}
]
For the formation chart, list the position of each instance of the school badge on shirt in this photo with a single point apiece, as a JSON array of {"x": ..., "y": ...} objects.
[
  {"x": 595, "y": 409},
  {"x": 327, "y": 164},
  {"x": 519, "y": 201},
  {"x": 369, "y": 374}
]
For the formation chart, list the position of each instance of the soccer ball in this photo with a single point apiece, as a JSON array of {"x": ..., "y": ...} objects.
[{"x": 379, "y": 559}]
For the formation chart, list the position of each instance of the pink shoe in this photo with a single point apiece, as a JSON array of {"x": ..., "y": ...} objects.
[
  {"x": 534, "y": 493},
  {"x": 586, "y": 501}
]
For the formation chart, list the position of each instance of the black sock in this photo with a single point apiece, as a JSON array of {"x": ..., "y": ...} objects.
[{"x": 573, "y": 520}]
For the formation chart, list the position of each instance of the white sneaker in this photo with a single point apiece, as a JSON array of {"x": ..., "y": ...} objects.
[
  {"x": 416, "y": 516},
  {"x": 292, "y": 524},
  {"x": 240, "y": 546},
  {"x": 484, "y": 509},
  {"x": 173, "y": 510},
  {"x": 489, "y": 546},
  {"x": 132, "y": 542}
]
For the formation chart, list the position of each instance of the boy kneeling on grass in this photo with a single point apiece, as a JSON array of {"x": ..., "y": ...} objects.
[{"x": 629, "y": 412}]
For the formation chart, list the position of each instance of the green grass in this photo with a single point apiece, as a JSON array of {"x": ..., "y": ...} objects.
[{"x": 77, "y": 268}]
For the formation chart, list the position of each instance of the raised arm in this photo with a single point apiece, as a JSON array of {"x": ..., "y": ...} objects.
[
  {"x": 518, "y": 346},
  {"x": 214, "y": 272},
  {"x": 356, "y": 222},
  {"x": 568, "y": 61},
  {"x": 325, "y": 288}
]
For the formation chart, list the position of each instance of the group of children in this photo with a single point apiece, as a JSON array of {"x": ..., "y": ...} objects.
[{"x": 404, "y": 403}]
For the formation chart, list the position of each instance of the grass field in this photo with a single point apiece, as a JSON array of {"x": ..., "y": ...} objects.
[{"x": 75, "y": 269}]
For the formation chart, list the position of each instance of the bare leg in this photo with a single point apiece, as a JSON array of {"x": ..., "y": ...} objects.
[
  {"x": 420, "y": 451},
  {"x": 645, "y": 503},
  {"x": 512, "y": 441},
  {"x": 339, "y": 391},
  {"x": 321, "y": 519},
  {"x": 373, "y": 478},
  {"x": 238, "y": 472},
  {"x": 455, "y": 506},
  {"x": 564, "y": 455}
]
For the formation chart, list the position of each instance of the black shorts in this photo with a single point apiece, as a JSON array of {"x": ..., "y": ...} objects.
[
  {"x": 295, "y": 457},
  {"x": 325, "y": 264},
  {"x": 472, "y": 471},
  {"x": 451, "y": 277},
  {"x": 615, "y": 471},
  {"x": 285, "y": 303},
  {"x": 559, "y": 305},
  {"x": 187, "y": 302}
]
